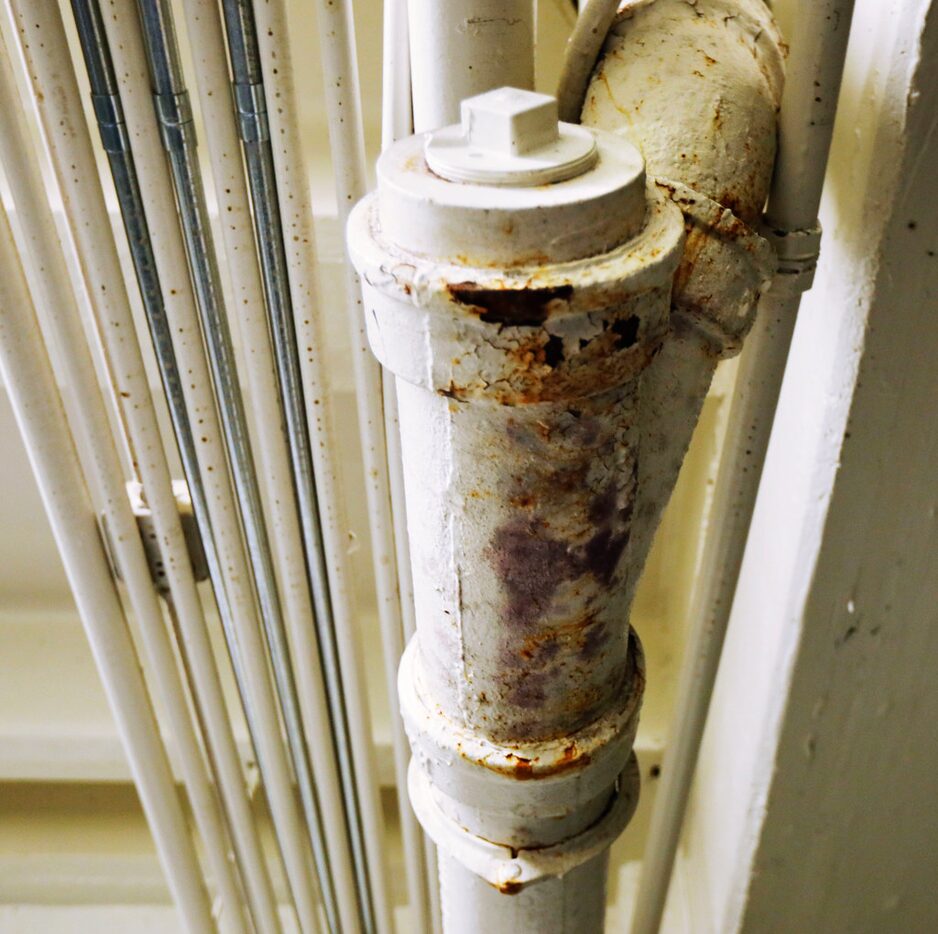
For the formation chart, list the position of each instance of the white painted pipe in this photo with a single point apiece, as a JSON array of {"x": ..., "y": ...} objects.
[
  {"x": 818, "y": 43},
  {"x": 34, "y": 395},
  {"x": 517, "y": 320},
  {"x": 46, "y": 51},
  {"x": 583, "y": 47},
  {"x": 51, "y": 284},
  {"x": 422, "y": 873},
  {"x": 263, "y": 717},
  {"x": 207, "y": 42},
  {"x": 346, "y": 137},
  {"x": 460, "y": 48}
]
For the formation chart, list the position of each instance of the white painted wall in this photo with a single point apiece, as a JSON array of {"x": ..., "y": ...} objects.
[{"x": 814, "y": 809}]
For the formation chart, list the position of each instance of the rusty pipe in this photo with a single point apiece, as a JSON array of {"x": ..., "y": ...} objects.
[
  {"x": 553, "y": 324},
  {"x": 708, "y": 135},
  {"x": 518, "y": 320}
]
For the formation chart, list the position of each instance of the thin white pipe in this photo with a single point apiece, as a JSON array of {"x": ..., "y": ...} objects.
[
  {"x": 583, "y": 48},
  {"x": 207, "y": 43},
  {"x": 52, "y": 288},
  {"x": 156, "y": 186},
  {"x": 815, "y": 66},
  {"x": 346, "y": 137},
  {"x": 34, "y": 395},
  {"x": 396, "y": 123},
  {"x": 296, "y": 210},
  {"x": 46, "y": 51},
  {"x": 461, "y": 48}
]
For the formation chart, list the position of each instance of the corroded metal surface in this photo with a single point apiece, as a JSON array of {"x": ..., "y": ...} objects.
[
  {"x": 552, "y": 348},
  {"x": 697, "y": 86},
  {"x": 518, "y": 397}
]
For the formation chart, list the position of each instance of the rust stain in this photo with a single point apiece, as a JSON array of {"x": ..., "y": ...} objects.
[
  {"x": 523, "y": 769},
  {"x": 528, "y": 307},
  {"x": 532, "y": 562},
  {"x": 509, "y": 888}
]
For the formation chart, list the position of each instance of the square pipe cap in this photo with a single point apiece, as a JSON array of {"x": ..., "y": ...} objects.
[{"x": 510, "y": 137}]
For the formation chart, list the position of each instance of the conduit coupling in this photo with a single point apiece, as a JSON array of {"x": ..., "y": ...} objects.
[{"x": 518, "y": 317}]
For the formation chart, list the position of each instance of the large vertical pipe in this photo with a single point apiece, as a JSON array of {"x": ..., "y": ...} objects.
[
  {"x": 818, "y": 44},
  {"x": 34, "y": 395},
  {"x": 52, "y": 287},
  {"x": 518, "y": 324},
  {"x": 237, "y": 602}
]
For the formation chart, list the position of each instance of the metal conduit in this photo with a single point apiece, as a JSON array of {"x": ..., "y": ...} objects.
[
  {"x": 296, "y": 208},
  {"x": 107, "y": 104},
  {"x": 51, "y": 281},
  {"x": 174, "y": 114},
  {"x": 73, "y": 157},
  {"x": 249, "y": 97}
]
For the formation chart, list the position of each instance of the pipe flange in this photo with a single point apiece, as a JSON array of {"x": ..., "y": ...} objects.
[
  {"x": 536, "y": 779},
  {"x": 511, "y": 869},
  {"x": 538, "y": 333},
  {"x": 725, "y": 267}
]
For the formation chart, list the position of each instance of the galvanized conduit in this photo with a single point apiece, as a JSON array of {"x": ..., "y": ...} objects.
[
  {"x": 51, "y": 283},
  {"x": 212, "y": 705},
  {"x": 238, "y": 609},
  {"x": 346, "y": 137},
  {"x": 251, "y": 106},
  {"x": 45, "y": 46},
  {"x": 34, "y": 395},
  {"x": 171, "y": 102}
]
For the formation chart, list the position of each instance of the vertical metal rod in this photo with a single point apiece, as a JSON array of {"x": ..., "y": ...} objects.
[
  {"x": 174, "y": 115},
  {"x": 296, "y": 208},
  {"x": 806, "y": 121},
  {"x": 219, "y": 734},
  {"x": 37, "y": 405},
  {"x": 255, "y": 138},
  {"x": 52, "y": 286},
  {"x": 207, "y": 41}
]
